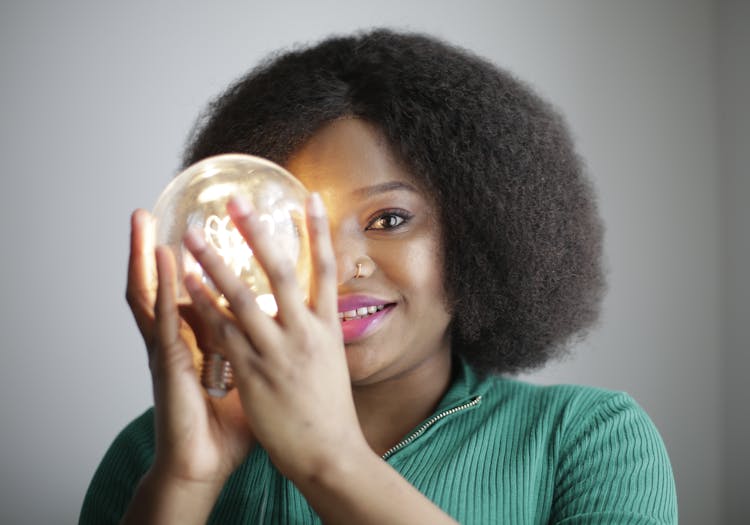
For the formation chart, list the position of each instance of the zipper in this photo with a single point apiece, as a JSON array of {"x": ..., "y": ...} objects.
[{"x": 427, "y": 424}]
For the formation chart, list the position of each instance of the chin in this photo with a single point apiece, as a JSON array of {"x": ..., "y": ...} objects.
[{"x": 364, "y": 369}]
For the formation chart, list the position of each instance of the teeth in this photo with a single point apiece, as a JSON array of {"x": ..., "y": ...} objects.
[{"x": 360, "y": 312}]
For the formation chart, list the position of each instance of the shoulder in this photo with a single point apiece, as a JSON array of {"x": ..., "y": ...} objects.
[
  {"x": 608, "y": 458},
  {"x": 565, "y": 409},
  {"x": 129, "y": 456},
  {"x": 575, "y": 417},
  {"x": 134, "y": 446},
  {"x": 562, "y": 409},
  {"x": 557, "y": 418},
  {"x": 570, "y": 407}
]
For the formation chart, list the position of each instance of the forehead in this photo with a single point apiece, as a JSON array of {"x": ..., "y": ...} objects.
[{"x": 344, "y": 156}]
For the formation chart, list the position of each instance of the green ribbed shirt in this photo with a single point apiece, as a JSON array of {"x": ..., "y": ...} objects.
[{"x": 495, "y": 451}]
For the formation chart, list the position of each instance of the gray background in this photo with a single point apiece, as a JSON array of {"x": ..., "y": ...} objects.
[{"x": 98, "y": 97}]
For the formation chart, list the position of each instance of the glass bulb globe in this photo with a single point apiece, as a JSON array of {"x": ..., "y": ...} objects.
[{"x": 197, "y": 198}]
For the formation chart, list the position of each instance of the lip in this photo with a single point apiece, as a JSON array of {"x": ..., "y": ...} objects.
[{"x": 360, "y": 328}]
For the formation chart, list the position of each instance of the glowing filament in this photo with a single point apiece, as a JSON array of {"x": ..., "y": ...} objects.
[{"x": 229, "y": 243}]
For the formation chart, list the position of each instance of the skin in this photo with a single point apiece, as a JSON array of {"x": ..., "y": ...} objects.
[
  {"x": 399, "y": 373},
  {"x": 294, "y": 376}
]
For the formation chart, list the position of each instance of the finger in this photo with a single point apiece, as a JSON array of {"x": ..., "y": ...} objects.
[
  {"x": 323, "y": 294},
  {"x": 279, "y": 267},
  {"x": 170, "y": 355},
  {"x": 139, "y": 292},
  {"x": 170, "y": 359},
  {"x": 167, "y": 316},
  {"x": 217, "y": 330},
  {"x": 177, "y": 390},
  {"x": 241, "y": 299}
]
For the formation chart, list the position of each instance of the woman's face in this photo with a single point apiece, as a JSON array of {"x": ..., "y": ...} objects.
[{"x": 380, "y": 219}]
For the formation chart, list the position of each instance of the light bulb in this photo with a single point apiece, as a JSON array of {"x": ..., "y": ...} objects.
[{"x": 197, "y": 198}]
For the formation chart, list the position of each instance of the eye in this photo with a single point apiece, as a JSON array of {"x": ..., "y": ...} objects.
[{"x": 389, "y": 220}]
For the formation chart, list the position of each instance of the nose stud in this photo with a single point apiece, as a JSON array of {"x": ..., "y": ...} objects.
[{"x": 364, "y": 267}]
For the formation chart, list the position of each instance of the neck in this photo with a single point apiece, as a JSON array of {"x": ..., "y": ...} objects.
[{"x": 389, "y": 409}]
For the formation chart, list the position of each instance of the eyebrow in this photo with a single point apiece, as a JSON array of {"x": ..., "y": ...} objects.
[{"x": 369, "y": 191}]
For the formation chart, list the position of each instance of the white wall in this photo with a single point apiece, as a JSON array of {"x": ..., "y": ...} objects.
[
  {"x": 734, "y": 69},
  {"x": 97, "y": 98}
]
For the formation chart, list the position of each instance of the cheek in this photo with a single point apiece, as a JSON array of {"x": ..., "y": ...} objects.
[{"x": 416, "y": 269}]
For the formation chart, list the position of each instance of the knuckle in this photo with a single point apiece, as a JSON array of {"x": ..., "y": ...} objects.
[
  {"x": 290, "y": 372},
  {"x": 205, "y": 257},
  {"x": 241, "y": 300},
  {"x": 136, "y": 300},
  {"x": 320, "y": 226},
  {"x": 280, "y": 273},
  {"x": 154, "y": 364},
  {"x": 326, "y": 267},
  {"x": 332, "y": 324},
  {"x": 305, "y": 343},
  {"x": 227, "y": 331}
]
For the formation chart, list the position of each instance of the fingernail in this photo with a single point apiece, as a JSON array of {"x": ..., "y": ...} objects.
[
  {"x": 194, "y": 239},
  {"x": 265, "y": 222},
  {"x": 240, "y": 205},
  {"x": 316, "y": 205},
  {"x": 192, "y": 283}
]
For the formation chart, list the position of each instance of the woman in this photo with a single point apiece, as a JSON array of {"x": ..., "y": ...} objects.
[{"x": 454, "y": 238}]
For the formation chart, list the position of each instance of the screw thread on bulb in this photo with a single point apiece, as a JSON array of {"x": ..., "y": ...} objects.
[{"x": 216, "y": 375}]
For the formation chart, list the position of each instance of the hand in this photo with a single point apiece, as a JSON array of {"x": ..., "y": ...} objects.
[
  {"x": 197, "y": 438},
  {"x": 291, "y": 370}
]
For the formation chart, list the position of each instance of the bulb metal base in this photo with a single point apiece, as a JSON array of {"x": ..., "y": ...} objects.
[{"x": 216, "y": 375}]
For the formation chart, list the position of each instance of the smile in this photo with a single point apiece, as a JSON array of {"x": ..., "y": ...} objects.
[
  {"x": 360, "y": 313},
  {"x": 361, "y": 316}
]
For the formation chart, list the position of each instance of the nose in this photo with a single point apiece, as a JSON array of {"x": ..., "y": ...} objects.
[
  {"x": 346, "y": 250},
  {"x": 350, "y": 244},
  {"x": 350, "y": 251}
]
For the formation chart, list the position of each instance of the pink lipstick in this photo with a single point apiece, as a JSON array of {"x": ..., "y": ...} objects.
[{"x": 361, "y": 315}]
